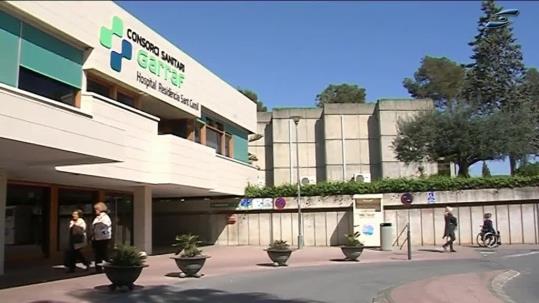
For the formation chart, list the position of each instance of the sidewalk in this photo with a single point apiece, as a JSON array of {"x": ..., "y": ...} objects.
[{"x": 224, "y": 260}]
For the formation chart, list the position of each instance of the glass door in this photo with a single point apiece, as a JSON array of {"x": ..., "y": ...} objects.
[{"x": 121, "y": 213}]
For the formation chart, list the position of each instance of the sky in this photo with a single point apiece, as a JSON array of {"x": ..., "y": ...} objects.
[{"x": 288, "y": 52}]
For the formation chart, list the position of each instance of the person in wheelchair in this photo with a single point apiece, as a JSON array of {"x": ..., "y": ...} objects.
[{"x": 487, "y": 224}]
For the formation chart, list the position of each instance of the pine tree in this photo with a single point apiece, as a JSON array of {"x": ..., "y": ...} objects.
[
  {"x": 496, "y": 81},
  {"x": 485, "y": 171}
]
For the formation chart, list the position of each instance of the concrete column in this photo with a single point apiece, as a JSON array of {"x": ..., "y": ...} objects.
[
  {"x": 3, "y": 194},
  {"x": 142, "y": 224}
]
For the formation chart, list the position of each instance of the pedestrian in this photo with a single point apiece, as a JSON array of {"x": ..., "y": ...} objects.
[
  {"x": 449, "y": 231},
  {"x": 101, "y": 235},
  {"x": 77, "y": 240}
]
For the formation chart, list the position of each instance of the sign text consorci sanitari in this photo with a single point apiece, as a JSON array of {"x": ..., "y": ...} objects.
[{"x": 169, "y": 68}]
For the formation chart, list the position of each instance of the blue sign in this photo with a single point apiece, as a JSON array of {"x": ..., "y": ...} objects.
[
  {"x": 367, "y": 230},
  {"x": 246, "y": 202},
  {"x": 431, "y": 197}
]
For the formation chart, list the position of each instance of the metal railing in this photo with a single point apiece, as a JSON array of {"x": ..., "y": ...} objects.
[{"x": 406, "y": 240}]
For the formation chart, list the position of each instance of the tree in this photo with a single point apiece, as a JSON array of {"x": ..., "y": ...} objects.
[
  {"x": 456, "y": 135},
  {"x": 437, "y": 78},
  {"x": 485, "y": 171},
  {"x": 531, "y": 84},
  {"x": 260, "y": 107},
  {"x": 341, "y": 93},
  {"x": 495, "y": 81}
]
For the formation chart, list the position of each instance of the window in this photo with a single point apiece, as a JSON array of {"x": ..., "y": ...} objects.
[
  {"x": 98, "y": 88},
  {"x": 229, "y": 150},
  {"x": 125, "y": 99},
  {"x": 46, "y": 87},
  {"x": 213, "y": 139}
]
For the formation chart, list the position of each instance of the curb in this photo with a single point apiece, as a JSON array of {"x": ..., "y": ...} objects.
[
  {"x": 498, "y": 282},
  {"x": 384, "y": 296}
]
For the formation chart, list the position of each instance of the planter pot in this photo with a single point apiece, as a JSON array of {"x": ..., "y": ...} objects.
[
  {"x": 122, "y": 275},
  {"x": 352, "y": 252},
  {"x": 279, "y": 257},
  {"x": 190, "y": 266}
]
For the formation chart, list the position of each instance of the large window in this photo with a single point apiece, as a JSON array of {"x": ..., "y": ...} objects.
[
  {"x": 121, "y": 213},
  {"x": 125, "y": 99},
  {"x": 98, "y": 88},
  {"x": 46, "y": 87},
  {"x": 27, "y": 213},
  {"x": 213, "y": 139}
]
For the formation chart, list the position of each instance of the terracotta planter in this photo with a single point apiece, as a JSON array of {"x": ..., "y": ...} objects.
[
  {"x": 279, "y": 256},
  {"x": 122, "y": 275},
  {"x": 352, "y": 253},
  {"x": 190, "y": 266}
]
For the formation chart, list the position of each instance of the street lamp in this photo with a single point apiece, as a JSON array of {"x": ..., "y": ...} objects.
[{"x": 300, "y": 218}]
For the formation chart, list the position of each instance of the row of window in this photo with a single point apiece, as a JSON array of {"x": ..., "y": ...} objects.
[{"x": 212, "y": 133}]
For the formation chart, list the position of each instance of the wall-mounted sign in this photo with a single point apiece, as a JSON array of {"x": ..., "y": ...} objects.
[
  {"x": 407, "y": 198},
  {"x": 431, "y": 197},
  {"x": 246, "y": 203},
  {"x": 160, "y": 70},
  {"x": 262, "y": 203},
  {"x": 280, "y": 203}
]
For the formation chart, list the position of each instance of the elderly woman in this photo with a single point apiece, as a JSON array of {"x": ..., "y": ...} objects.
[
  {"x": 449, "y": 231},
  {"x": 101, "y": 234},
  {"x": 77, "y": 240}
]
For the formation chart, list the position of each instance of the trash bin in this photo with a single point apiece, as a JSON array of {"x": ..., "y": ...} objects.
[{"x": 386, "y": 236}]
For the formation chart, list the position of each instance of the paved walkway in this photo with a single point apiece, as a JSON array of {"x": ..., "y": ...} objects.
[{"x": 226, "y": 260}]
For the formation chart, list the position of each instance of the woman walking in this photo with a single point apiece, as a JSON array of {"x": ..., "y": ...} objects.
[
  {"x": 102, "y": 233},
  {"x": 77, "y": 240},
  {"x": 449, "y": 231}
]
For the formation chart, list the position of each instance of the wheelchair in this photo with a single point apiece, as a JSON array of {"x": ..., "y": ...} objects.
[{"x": 489, "y": 239}]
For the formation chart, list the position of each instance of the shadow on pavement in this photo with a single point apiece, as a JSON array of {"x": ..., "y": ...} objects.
[
  {"x": 267, "y": 265},
  {"x": 341, "y": 260},
  {"x": 160, "y": 294},
  {"x": 431, "y": 250}
]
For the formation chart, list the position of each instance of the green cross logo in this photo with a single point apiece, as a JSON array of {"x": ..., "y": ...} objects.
[{"x": 105, "y": 38}]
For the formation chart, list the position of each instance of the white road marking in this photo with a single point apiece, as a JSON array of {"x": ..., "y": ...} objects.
[
  {"x": 522, "y": 255},
  {"x": 499, "y": 282}
]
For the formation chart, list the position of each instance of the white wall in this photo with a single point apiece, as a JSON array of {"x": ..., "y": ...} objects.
[
  {"x": 80, "y": 22},
  {"x": 147, "y": 157}
]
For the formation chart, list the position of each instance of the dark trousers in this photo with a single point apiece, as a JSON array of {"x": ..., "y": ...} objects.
[
  {"x": 450, "y": 239},
  {"x": 75, "y": 255},
  {"x": 101, "y": 248}
]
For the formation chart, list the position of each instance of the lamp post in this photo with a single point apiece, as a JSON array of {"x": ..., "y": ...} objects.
[{"x": 300, "y": 218}]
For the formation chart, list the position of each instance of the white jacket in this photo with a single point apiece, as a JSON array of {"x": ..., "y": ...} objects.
[
  {"x": 102, "y": 227},
  {"x": 80, "y": 222}
]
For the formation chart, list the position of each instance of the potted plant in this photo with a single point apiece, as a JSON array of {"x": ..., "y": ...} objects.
[
  {"x": 353, "y": 248},
  {"x": 279, "y": 251},
  {"x": 188, "y": 256},
  {"x": 125, "y": 266}
]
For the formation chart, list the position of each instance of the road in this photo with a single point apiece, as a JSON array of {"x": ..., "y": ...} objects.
[{"x": 334, "y": 283}]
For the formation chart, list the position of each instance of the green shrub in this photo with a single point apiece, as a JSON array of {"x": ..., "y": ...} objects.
[
  {"x": 125, "y": 255},
  {"x": 279, "y": 245},
  {"x": 352, "y": 239},
  {"x": 400, "y": 185},
  {"x": 528, "y": 170},
  {"x": 187, "y": 245}
]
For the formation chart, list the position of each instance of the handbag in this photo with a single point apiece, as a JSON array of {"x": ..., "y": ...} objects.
[{"x": 77, "y": 234}]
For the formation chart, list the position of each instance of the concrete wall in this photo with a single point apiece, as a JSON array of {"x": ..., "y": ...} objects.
[
  {"x": 335, "y": 142},
  {"x": 388, "y": 113},
  {"x": 327, "y": 219}
]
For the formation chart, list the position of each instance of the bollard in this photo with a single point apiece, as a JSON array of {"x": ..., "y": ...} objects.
[{"x": 409, "y": 242}]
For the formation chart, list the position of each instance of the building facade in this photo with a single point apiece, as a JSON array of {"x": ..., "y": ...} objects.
[
  {"x": 336, "y": 143},
  {"x": 96, "y": 106}
]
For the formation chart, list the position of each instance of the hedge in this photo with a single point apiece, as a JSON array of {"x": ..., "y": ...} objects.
[{"x": 391, "y": 186}]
